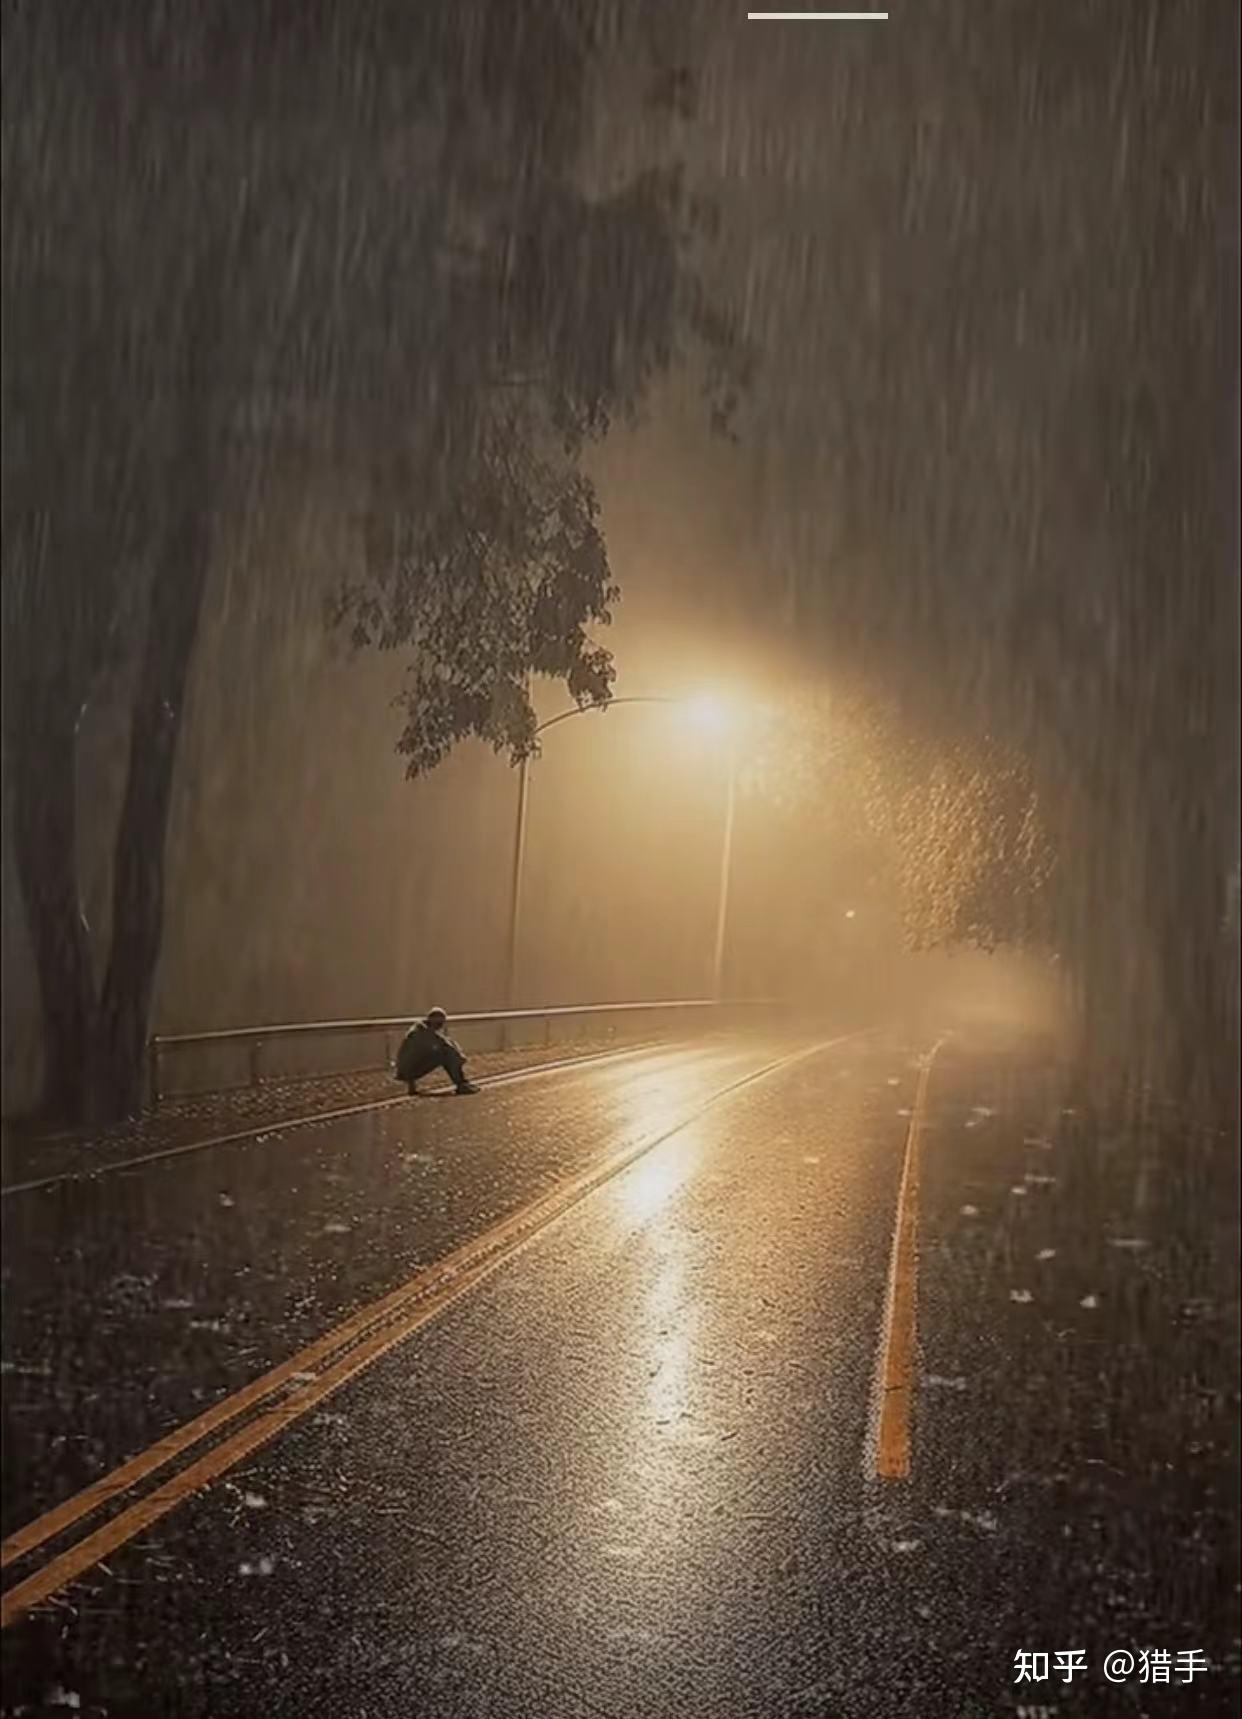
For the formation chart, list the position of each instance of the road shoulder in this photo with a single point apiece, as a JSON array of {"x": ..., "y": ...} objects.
[{"x": 1077, "y": 1411}]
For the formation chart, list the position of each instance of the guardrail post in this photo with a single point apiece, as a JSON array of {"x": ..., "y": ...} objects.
[
  {"x": 255, "y": 1047},
  {"x": 153, "y": 1074}
]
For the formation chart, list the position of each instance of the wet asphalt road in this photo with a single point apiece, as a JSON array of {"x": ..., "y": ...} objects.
[
  {"x": 630, "y": 1473},
  {"x": 133, "y": 1301}
]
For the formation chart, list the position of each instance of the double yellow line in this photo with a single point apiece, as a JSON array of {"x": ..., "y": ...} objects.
[{"x": 286, "y": 1393}]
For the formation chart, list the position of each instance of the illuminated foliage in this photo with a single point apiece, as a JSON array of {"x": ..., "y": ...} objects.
[{"x": 951, "y": 830}]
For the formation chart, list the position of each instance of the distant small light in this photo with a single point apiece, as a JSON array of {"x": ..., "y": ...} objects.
[{"x": 849, "y": 913}]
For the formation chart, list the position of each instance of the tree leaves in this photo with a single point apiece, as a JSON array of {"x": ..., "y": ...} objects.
[
  {"x": 484, "y": 553},
  {"x": 953, "y": 831},
  {"x": 492, "y": 580}
]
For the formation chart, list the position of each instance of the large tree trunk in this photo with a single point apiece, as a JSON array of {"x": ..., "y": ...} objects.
[
  {"x": 43, "y": 698},
  {"x": 138, "y": 868},
  {"x": 1192, "y": 951},
  {"x": 43, "y": 788},
  {"x": 175, "y": 605}
]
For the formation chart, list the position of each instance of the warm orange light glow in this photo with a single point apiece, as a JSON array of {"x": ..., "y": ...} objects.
[{"x": 712, "y": 715}]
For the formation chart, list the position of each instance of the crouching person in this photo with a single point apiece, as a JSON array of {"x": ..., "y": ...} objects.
[{"x": 426, "y": 1047}]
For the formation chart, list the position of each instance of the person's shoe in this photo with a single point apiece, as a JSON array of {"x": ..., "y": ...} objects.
[
  {"x": 411, "y": 1089},
  {"x": 466, "y": 1088}
]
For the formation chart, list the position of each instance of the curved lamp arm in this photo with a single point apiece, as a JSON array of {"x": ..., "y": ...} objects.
[{"x": 586, "y": 709}]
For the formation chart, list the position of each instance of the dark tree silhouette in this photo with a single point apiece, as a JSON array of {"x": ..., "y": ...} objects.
[{"x": 257, "y": 246}]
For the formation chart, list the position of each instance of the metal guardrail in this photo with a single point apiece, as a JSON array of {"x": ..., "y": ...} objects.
[{"x": 254, "y": 1042}]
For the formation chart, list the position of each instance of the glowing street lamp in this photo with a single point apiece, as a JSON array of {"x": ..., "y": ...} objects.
[{"x": 711, "y": 716}]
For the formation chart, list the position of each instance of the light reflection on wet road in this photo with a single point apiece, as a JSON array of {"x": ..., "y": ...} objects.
[
  {"x": 132, "y": 1302},
  {"x": 627, "y": 1473}
]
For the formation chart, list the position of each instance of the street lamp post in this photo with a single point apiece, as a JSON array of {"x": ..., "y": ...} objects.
[
  {"x": 515, "y": 891},
  {"x": 726, "y": 867},
  {"x": 519, "y": 848}
]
